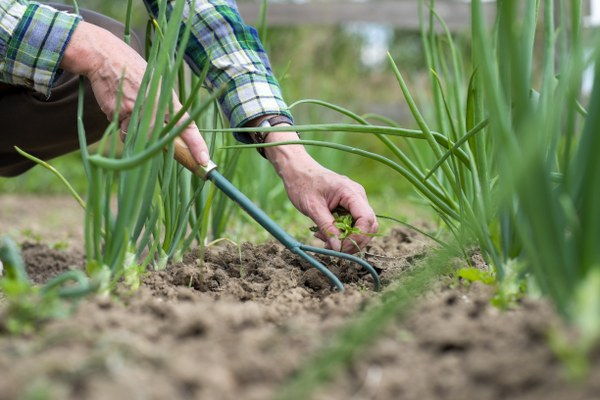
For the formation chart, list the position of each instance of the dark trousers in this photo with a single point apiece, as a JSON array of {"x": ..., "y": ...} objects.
[{"x": 47, "y": 128}]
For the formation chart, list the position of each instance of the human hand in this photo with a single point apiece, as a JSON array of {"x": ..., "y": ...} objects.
[
  {"x": 111, "y": 65},
  {"x": 315, "y": 191}
]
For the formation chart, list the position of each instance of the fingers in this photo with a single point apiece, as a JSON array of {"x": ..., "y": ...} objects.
[
  {"x": 321, "y": 215},
  {"x": 123, "y": 131},
  {"x": 320, "y": 236},
  {"x": 192, "y": 137},
  {"x": 196, "y": 144},
  {"x": 355, "y": 201}
]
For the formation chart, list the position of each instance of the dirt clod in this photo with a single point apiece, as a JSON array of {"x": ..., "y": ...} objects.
[{"x": 43, "y": 263}]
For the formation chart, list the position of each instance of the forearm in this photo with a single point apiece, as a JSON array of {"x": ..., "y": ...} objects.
[
  {"x": 84, "y": 53},
  {"x": 288, "y": 159}
]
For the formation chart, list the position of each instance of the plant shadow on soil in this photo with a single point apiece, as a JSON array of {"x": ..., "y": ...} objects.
[{"x": 240, "y": 324}]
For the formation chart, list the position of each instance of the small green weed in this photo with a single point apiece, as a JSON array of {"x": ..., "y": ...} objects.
[
  {"x": 471, "y": 274},
  {"x": 509, "y": 291},
  {"x": 31, "y": 235},
  {"x": 344, "y": 222},
  {"x": 60, "y": 245},
  {"x": 29, "y": 305}
]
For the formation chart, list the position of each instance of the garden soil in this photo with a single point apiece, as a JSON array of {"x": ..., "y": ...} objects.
[{"x": 238, "y": 322}]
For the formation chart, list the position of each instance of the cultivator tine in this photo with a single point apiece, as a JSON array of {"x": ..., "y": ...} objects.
[
  {"x": 322, "y": 268},
  {"x": 349, "y": 257}
]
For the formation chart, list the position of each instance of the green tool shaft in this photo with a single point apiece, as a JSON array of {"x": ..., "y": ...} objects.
[
  {"x": 209, "y": 172},
  {"x": 247, "y": 205}
]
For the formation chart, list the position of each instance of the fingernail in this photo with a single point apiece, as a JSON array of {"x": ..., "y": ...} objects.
[
  {"x": 335, "y": 244},
  {"x": 204, "y": 158}
]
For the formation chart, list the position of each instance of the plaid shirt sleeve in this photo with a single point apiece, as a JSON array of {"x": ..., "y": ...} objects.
[
  {"x": 33, "y": 38},
  {"x": 237, "y": 60}
]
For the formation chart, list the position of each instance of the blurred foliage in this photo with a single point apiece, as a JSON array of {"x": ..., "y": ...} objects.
[{"x": 40, "y": 180}]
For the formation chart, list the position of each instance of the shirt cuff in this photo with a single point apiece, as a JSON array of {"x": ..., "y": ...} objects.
[
  {"x": 36, "y": 48},
  {"x": 250, "y": 96}
]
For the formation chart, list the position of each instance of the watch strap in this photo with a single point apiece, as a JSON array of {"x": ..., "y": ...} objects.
[{"x": 261, "y": 137}]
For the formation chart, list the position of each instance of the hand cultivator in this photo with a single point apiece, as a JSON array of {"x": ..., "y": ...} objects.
[{"x": 210, "y": 172}]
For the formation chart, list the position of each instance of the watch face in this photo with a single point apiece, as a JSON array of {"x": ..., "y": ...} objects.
[{"x": 259, "y": 137}]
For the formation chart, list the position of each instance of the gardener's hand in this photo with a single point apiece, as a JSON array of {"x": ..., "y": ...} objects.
[
  {"x": 109, "y": 63},
  {"x": 316, "y": 191}
]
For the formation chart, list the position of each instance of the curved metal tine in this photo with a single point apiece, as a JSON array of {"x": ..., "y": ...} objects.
[
  {"x": 348, "y": 257},
  {"x": 323, "y": 269}
]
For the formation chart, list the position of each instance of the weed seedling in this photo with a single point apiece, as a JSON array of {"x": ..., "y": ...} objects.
[
  {"x": 345, "y": 223},
  {"x": 61, "y": 245},
  {"x": 29, "y": 305},
  {"x": 29, "y": 234},
  {"x": 472, "y": 274},
  {"x": 509, "y": 290}
]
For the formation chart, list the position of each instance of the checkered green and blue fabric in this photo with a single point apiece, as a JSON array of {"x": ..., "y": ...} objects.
[
  {"x": 237, "y": 60},
  {"x": 33, "y": 38}
]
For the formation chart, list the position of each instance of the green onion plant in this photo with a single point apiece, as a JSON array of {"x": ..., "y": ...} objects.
[
  {"x": 143, "y": 208},
  {"x": 528, "y": 194},
  {"x": 507, "y": 160}
]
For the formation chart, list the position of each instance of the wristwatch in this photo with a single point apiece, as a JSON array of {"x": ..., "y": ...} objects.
[{"x": 261, "y": 137}]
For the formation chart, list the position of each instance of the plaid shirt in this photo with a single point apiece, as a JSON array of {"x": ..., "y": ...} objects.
[{"x": 33, "y": 38}]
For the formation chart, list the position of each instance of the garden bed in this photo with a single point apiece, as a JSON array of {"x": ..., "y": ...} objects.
[{"x": 240, "y": 325}]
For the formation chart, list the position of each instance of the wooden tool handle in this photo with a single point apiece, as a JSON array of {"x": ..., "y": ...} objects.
[{"x": 185, "y": 158}]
